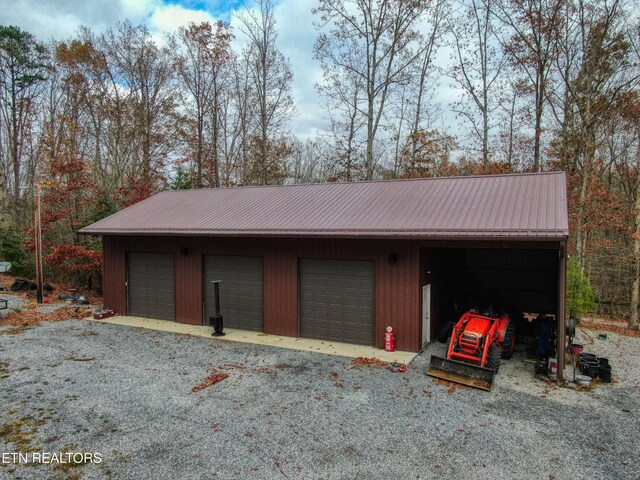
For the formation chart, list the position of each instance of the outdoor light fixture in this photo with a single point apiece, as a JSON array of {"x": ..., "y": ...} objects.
[
  {"x": 184, "y": 251},
  {"x": 393, "y": 258}
]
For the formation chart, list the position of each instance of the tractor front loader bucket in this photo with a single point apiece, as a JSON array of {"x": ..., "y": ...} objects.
[{"x": 461, "y": 372}]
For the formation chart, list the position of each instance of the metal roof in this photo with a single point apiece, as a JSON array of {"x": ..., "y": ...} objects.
[{"x": 517, "y": 206}]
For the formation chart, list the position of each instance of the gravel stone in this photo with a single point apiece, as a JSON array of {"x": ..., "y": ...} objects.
[
  {"x": 13, "y": 301},
  {"x": 126, "y": 393}
]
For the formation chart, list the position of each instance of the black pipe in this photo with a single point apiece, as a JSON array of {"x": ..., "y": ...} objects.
[
  {"x": 216, "y": 289},
  {"x": 216, "y": 320}
]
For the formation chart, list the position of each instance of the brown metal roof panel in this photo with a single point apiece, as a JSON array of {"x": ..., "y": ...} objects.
[{"x": 512, "y": 205}]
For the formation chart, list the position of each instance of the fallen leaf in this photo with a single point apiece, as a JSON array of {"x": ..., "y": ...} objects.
[
  {"x": 371, "y": 362},
  {"x": 213, "y": 378},
  {"x": 609, "y": 328}
]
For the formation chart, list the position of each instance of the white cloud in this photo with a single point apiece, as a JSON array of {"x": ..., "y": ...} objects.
[
  {"x": 167, "y": 18},
  {"x": 136, "y": 10},
  {"x": 61, "y": 18},
  {"x": 296, "y": 38}
]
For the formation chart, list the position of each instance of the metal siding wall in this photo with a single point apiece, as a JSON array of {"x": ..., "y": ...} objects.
[
  {"x": 561, "y": 312},
  {"x": 398, "y": 294},
  {"x": 397, "y": 286},
  {"x": 281, "y": 287},
  {"x": 114, "y": 274},
  {"x": 189, "y": 281}
]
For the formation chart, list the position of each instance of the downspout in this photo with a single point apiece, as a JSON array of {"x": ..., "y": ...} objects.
[{"x": 562, "y": 301}]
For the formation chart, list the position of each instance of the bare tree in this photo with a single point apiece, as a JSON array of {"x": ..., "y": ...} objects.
[
  {"x": 23, "y": 70},
  {"x": 200, "y": 53},
  {"x": 370, "y": 43},
  {"x": 634, "y": 36},
  {"x": 271, "y": 76},
  {"x": 532, "y": 30},
  {"x": 311, "y": 162},
  {"x": 599, "y": 79},
  {"x": 146, "y": 72},
  {"x": 344, "y": 102},
  {"x": 108, "y": 105},
  {"x": 513, "y": 144},
  {"x": 84, "y": 70},
  {"x": 477, "y": 67},
  {"x": 237, "y": 125},
  {"x": 420, "y": 109},
  {"x": 625, "y": 144},
  {"x": 625, "y": 139}
]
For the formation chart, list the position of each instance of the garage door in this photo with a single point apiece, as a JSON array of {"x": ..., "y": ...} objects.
[
  {"x": 151, "y": 285},
  {"x": 240, "y": 290},
  {"x": 336, "y": 300}
]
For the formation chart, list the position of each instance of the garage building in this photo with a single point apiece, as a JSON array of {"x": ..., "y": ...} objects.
[{"x": 342, "y": 261}]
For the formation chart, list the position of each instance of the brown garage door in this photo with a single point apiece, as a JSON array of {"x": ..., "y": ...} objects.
[
  {"x": 240, "y": 290},
  {"x": 336, "y": 300},
  {"x": 151, "y": 285}
]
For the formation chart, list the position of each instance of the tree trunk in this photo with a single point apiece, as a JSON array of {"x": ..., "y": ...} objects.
[
  {"x": 580, "y": 233},
  {"x": 370, "y": 135},
  {"x": 485, "y": 134},
  {"x": 511, "y": 129},
  {"x": 635, "y": 286},
  {"x": 215, "y": 137},
  {"x": 537, "y": 166},
  {"x": 350, "y": 141},
  {"x": 214, "y": 150},
  {"x": 263, "y": 108},
  {"x": 199, "y": 150},
  {"x": 14, "y": 141}
]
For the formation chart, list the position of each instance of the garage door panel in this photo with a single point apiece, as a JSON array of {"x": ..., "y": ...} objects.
[
  {"x": 241, "y": 290},
  {"x": 336, "y": 300},
  {"x": 151, "y": 285}
]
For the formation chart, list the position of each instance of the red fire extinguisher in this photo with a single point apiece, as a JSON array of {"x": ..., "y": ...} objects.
[{"x": 390, "y": 340}]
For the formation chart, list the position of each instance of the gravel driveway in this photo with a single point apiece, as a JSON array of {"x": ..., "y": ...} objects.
[{"x": 127, "y": 394}]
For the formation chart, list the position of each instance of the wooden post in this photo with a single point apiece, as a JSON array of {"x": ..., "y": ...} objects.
[
  {"x": 562, "y": 301},
  {"x": 38, "y": 240}
]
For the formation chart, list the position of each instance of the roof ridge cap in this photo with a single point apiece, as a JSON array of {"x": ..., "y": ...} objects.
[{"x": 378, "y": 181}]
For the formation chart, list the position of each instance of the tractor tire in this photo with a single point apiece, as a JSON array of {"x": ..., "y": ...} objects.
[
  {"x": 509, "y": 341},
  {"x": 493, "y": 358},
  {"x": 445, "y": 331}
]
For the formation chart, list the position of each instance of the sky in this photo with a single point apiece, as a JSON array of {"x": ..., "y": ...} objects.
[{"x": 60, "y": 19}]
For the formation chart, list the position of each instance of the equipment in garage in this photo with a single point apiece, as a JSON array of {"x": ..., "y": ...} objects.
[
  {"x": 337, "y": 300},
  {"x": 240, "y": 289},
  {"x": 478, "y": 342},
  {"x": 517, "y": 280},
  {"x": 151, "y": 285}
]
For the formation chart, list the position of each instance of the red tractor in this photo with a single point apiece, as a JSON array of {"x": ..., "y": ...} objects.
[{"x": 477, "y": 343}]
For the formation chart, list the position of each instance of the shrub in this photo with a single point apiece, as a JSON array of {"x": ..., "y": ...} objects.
[
  {"x": 12, "y": 250},
  {"x": 75, "y": 263},
  {"x": 581, "y": 297}
]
